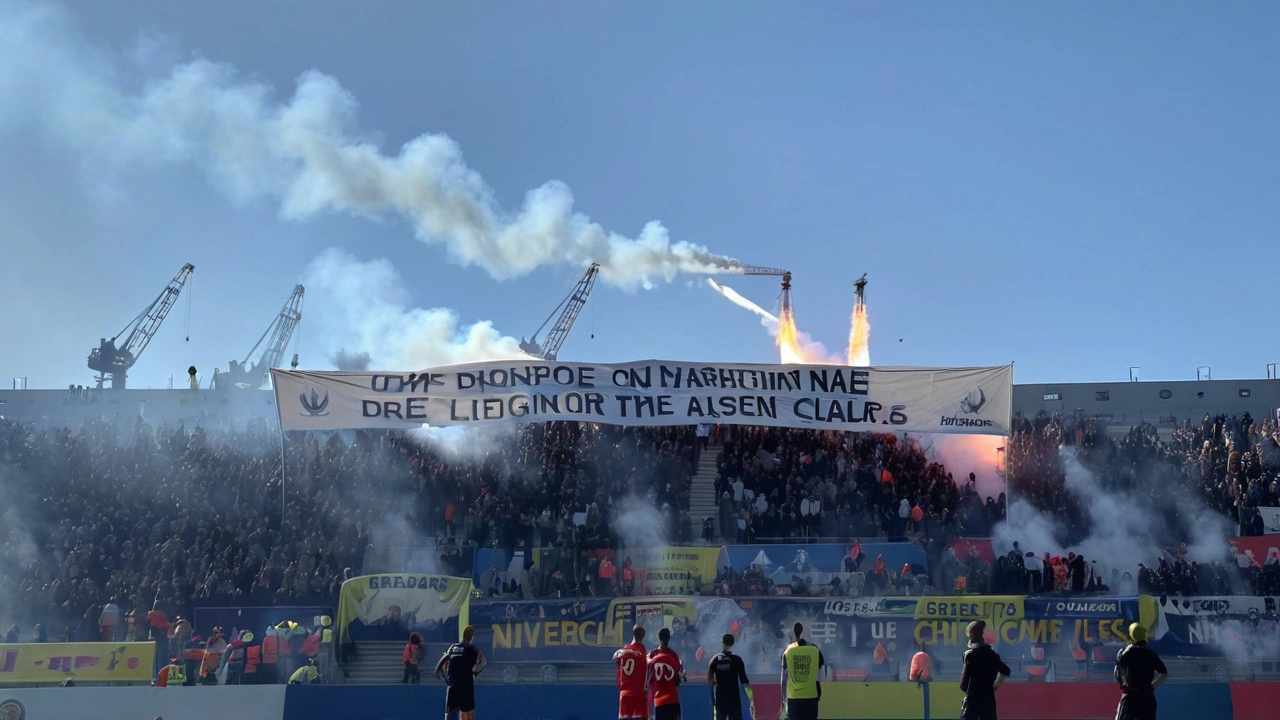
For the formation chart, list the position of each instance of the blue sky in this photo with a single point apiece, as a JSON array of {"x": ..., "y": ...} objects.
[{"x": 1077, "y": 188}]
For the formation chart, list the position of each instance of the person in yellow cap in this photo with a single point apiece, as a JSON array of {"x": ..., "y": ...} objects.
[{"x": 1139, "y": 671}]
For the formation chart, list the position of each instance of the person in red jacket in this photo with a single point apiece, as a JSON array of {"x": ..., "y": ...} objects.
[
  {"x": 412, "y": 652},
  {"x": 632, "y": 677}
]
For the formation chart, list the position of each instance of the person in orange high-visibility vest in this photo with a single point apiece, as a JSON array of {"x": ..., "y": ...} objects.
[
  {"x": 270, "y": 656},
  {"x": 252, "y": 659}
]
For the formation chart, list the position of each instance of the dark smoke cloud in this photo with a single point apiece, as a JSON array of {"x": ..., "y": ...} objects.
[{"x": 351, "y": 361}]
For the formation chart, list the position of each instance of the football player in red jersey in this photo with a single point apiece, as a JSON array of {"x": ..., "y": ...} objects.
[
  {"x": 666, "y": 672},
  {"x": 632, "y": 677}
]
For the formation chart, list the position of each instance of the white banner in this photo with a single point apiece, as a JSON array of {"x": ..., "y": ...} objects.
[
  {"x": 1270, "y": 520},
  {"x": 975, "y": 401}
]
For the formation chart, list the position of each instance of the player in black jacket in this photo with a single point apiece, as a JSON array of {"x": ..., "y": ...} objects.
[
  {"x": 724, "y": 673},
  {"x": 1139, "y": 671},
  {"x": 459, "y": 666},
  {"x": 984, "y": 672}
]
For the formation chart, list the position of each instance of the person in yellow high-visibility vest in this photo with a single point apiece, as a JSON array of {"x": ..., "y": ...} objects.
[
  {"x": 325, "y": 661},
  {"x": 802, "y": 664},
  {"x": 173, "y": 674}
]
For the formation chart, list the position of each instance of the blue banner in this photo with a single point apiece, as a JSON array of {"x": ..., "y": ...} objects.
[
  {"x": 1243, "y": 629},
  {"x": 548, "y": 631},
  {"x": 853, "y": 632},
  {"x": 1083, "y": 608},
  {"x": 819, "y": 562}
]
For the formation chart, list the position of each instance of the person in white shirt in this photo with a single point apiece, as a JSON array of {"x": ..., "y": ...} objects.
[{"x": 1034, "y": 579}]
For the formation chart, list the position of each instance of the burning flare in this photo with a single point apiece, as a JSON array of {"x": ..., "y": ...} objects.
[
  {"x": 788, "y": 344},
  {"x": 860, "y": 336},
  {"x": 797, "y": 348}
]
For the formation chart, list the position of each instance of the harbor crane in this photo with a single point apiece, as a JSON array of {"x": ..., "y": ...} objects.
[
  {"x": 112, "y": 359},
  {"x": 572, "y": 305},
  {"x": 245, "y": 375}
]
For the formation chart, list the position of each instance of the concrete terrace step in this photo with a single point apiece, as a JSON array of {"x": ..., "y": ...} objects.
[{"x": 702, "y": 491}]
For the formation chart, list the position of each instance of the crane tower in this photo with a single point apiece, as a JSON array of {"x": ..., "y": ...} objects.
[
  {"x": 246, "y": 375},
  {"x": 572, "y": 305},
  {"x": 112, "y": 359}
]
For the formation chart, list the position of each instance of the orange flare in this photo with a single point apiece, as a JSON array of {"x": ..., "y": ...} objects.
[{"x": 860, "y": 336}]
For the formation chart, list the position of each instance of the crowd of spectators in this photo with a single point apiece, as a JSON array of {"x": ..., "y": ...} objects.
[
  {"x": 1184, "y": 477},
  {"x": 126, "y": 518},
  {"x": 791, "y": 483},
  {"x": 137, "y": 516}
]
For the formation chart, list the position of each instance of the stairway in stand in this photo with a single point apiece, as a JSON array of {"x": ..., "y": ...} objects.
[{"x": 702, "y": 493}]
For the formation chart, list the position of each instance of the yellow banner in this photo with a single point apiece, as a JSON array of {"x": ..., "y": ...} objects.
[
  {"x": 992, "y": 608},
  {"x": 674, "y": 570},
  {"x": 85, "y": 662},
  {"x": 389, "y": 607}
]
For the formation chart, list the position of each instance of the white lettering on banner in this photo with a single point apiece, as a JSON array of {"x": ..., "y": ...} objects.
[
  {"x": 850, "y": 607},
  {"x": 822, "y": 632},
  {"x": 652, "y": 393}
]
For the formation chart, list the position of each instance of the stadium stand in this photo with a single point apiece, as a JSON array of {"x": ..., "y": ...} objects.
[{"x": 166, "y": 516}]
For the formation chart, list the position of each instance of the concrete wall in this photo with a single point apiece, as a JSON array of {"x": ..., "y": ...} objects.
[
  {"x": 841, "y": 701},
  {"x": 146, "y": 703},
  {"x": 208, "y": 407},
  {"x": 1130, "y": 403}
]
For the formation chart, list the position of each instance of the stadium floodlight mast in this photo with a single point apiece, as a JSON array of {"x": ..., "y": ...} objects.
[
  {"x": 1133, "y": 377},
  {"x": 1208, "y": 374},
  {"x": 1271, "y": 371}
]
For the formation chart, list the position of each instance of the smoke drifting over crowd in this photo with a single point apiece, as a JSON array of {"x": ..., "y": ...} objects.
[
  {"x": 1124, "y": 529},
  {"x": 306, "y": 152}
]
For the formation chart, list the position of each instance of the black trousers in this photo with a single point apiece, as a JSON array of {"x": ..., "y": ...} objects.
[
  {"x": 978, "y": 708},
  {"x": 1137, "y": 705},
  {"x": 411, "y": 674}
]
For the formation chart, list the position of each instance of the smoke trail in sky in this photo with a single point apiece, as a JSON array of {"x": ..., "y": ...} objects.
[
  {"x": 306, "y": 152},
  {"x": 768, "y": 319}
]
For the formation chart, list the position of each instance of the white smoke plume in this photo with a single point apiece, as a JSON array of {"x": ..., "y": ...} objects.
[
  {"x": 1245, "y": 641},
  {"x": 363, "y": 308},
  {"x": 1125, "y": 531},
  {"x": 305, "y": 152},
  {"x": 465, "y": 442},
  {"x": 639, "y": 524},
  {"x": 406, "y": 549}
]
